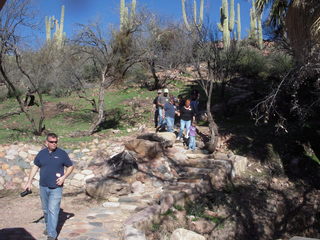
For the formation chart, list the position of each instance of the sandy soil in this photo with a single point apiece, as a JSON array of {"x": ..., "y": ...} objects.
[{"x": 18, "y": 212}]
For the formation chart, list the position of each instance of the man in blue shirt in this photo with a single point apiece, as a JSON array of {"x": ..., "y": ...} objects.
[{"x": 51, "y": 161}]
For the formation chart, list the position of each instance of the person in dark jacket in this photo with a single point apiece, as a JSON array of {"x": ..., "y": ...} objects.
[
  {"x": 187, "y": 115},
  {"x": 156, "y": 108},
  {"x": 170, "y": 112}
]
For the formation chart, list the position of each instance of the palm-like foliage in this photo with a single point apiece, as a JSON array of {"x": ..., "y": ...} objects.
[{"x": 299, "y": 18}]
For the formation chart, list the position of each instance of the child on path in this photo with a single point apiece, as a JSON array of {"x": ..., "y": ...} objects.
[{"x": 192, "y": 135}]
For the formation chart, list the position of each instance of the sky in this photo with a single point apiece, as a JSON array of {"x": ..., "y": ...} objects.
[{"x": 107, "y": 11}]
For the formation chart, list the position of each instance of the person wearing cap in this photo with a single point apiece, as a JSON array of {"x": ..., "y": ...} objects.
[
  {"x": 162, "y": 100},
  {"x": 156, "y": 108}
]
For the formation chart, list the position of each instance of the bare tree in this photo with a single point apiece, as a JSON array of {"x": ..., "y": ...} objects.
[
  {"x": 14, "y": 15},
  {"x": 213, "y": 67},
  {"x": 114, "y": 57},
  {"x": 167, "y": 47}
]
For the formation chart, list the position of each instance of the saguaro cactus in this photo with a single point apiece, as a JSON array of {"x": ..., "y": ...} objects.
[
  {"x": 49, "y": 21},
  {"x": 126, "y": 19},
  {"x": 238, "y": 23},
  {"x": 59, "y": 35},
  {"x": 226, "y": 25},
  {"x": 256, "y": 26},
  {"x": 196, "y": 22}
]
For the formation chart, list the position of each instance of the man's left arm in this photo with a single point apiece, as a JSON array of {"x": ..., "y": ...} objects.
[{"x": 68, "y": 171}]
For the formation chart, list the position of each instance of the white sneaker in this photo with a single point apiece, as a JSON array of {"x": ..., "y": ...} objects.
[
  {"x": 178, "y": 138},
  {"x": 187, "y": 136}
]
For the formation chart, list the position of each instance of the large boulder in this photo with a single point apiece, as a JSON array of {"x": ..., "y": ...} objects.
[
  {"x": 168, "y": 136},
  {"x": 102, "y": 188},
  {"x": 165, "y": 138},
  {"x": 184, "y": 234},
  {"x": 145, "y": 149}
]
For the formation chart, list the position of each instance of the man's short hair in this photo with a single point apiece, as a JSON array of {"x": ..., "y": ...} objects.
[{"x": 52, "y": 135}]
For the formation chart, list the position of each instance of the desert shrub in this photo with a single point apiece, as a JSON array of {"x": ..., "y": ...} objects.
[{"x": 252, "y": 63}]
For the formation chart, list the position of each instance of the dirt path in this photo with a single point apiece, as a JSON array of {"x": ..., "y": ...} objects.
[{"x": 23, "y": 216}]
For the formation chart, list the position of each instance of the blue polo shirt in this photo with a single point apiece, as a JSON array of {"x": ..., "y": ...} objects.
[
  {"x": 50, "y": 165},
  {"x": 170, "y": 110}
]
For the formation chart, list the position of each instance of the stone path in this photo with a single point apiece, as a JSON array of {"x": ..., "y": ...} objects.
[{"x": 100, "y": 223}]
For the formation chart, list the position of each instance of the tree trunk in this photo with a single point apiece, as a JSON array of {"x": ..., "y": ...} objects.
[
  {"x": 156, "y": 84},
  {"x": 40, "y": 128},
  {"x": 101, "y": 116},
  {"x": 212, "y": 144},
  {"x": 21, "y": 104}
]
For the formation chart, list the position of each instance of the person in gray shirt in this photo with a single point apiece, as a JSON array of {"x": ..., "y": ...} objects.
[{"x": 162, "y": 100}]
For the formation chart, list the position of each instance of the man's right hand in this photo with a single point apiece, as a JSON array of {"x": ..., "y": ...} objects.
[{"x": 27, "y": 186}]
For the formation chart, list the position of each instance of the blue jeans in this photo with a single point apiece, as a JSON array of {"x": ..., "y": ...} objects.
[
  {"x": 161, "y": 119},
  {"x": 184, "y": 124},
  {"x": 170, "y": 123},
  {"x": 50, "y": 200},
  {"x": 192, "y": 143}
]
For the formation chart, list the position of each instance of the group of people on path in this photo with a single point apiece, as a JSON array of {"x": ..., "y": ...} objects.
[{"x": 170, "y": 111}]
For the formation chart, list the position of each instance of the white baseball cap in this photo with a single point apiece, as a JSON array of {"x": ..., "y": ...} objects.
[
  {"x": 159, "y": 91},
  {"x": 166, "y": 90}
]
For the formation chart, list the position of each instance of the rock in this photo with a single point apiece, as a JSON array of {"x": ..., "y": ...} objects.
[
  {"x": 76, "y": 183},
  {"x": 115, "y": 131},
  {"x": 2, "y": 181},
  {"x": 145, "y": 149},
  {"x": 88, "y": 177},
  {"x": 102, "y": 188},
  {"x": 239, "y": 165},
  {"x": 33, "y": 152},
  {"x": 23, "y": 154},
  {"x": 168, "y": 136},
  {"x": 2, "y": 154},
  {"x": 220, "y": 176},
  {"x": 201, "y": 226},
  {"x": 111, "y": 204},
  {"x": 10, "y": 157},
  {"x": 176, "y": 154},
  {"x": 85, "y": 150},
  {"x": 113, "y": 199},
  {"x": 78, "y": 176},
  {"x": 183, "y": 234},
  {"x": 86, "y": 172},
  {"x": 137, "y": 187},
  {"x": 5, "y": 166},
  {"x": 131, "y": 233},
  {"x": 128, "y": 207},
  {"x": 197, "y": 155},
  {"x": 154, "y": 137}
]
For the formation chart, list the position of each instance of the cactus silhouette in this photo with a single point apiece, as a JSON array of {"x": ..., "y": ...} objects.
[
  {"x": 196, "y": 22},
  {"x": 127, "y": 20}
]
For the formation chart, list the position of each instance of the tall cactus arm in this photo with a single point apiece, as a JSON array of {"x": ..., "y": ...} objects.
[
  {"x": 238, "y": 22},
  {"x": 184, "y": 14},
  {"x": 201, "y": 12},
  {"x": 48, "y": 28},
  {"x": 231, "y": 18},
  {"x": 259, "y": 32},
  {"x": 61, "y": 23},
  {"x": 122, "y": 20},
  {"x": 133, "y": 9},
  {"x": 195, "y": 12}
]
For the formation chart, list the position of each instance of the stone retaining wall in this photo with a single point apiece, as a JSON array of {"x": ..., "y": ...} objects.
[{"x": 16, "y": 161}]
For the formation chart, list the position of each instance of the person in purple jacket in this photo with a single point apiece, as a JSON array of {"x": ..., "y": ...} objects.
[{"x": 192, "y": 136}]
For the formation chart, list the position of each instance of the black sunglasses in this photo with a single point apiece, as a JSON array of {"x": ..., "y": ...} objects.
[{"x": 53, "y": 142}]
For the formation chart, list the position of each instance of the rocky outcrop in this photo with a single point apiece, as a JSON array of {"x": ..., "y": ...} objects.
[{"x": 184, "y": 234}]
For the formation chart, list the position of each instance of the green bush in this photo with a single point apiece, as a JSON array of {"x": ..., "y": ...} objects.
[{"x": 254, "y": 63}]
